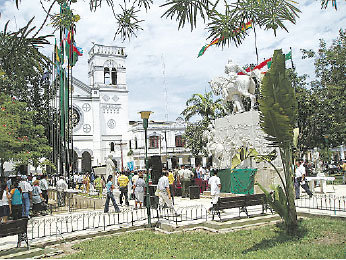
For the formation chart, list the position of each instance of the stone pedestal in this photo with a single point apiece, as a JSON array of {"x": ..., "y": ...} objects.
[{"x": 234, "y": 131}]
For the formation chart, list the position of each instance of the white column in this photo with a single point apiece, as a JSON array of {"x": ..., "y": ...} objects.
[
  {"x": 204, "y": 161},
  {"x": 79, "y": 164},
  {"x": 342, "y": 152},
  {"x": 180, "y": 161},
  {"x": 193, "y": 162},
  {"x": 169, "y": 163}
]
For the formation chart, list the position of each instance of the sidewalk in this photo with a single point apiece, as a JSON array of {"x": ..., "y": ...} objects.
[{"x": 180, "y": 203}]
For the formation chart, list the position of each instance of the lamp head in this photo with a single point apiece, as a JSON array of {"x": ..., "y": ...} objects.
[{"x": 145, "y": 114}]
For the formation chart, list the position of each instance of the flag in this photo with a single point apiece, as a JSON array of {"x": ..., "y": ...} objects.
[
  {"x": 288, "y": 56},
  {"x": 205, "y": 47}
]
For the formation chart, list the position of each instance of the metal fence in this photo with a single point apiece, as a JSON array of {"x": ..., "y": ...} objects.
[
  {"x": 323, "y": 202},
  {"x": 94, "y": 220}
]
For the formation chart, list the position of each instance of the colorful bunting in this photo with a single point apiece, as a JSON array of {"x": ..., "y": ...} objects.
[
  {"x": 247, "y": 26},
  {"x": 267, "y": 62}
]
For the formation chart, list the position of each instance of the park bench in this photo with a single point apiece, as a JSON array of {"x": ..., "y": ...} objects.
[
  {"x": 241, "y": 202},
  {"x": 15, "y": 227}
]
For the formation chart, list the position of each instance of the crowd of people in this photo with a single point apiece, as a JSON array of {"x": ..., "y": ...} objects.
[{"x": 20, "y": 194}]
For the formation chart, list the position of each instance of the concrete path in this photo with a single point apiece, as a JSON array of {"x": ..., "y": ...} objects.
[{"x": 87, "y": 222}]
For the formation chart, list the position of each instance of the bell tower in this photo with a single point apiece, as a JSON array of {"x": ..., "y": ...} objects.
[{"x": 109, "y": 94}]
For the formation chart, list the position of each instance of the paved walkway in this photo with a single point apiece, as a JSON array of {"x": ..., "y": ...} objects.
[{"x": 87, "y": 222}]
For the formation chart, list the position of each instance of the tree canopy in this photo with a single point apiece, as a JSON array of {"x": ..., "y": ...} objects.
[
  {"x": 321, "y": 113},
  {"x": 20, "y": 139}
]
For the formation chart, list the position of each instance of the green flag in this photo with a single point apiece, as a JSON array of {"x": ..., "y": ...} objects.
[
  {"x": 201, "y": 52},
  {"x": 288, "y": 56}
]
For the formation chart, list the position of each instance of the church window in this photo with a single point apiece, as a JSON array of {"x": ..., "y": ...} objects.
[
  {"x": 154, "y": 142},
  {"x": 136, "y": 143},
  {"x": 114, "y": 76},
  {"x": 112, "y": 147},
  {"x": 107, "y": 78},
  {"x": 179, "y": 141}
]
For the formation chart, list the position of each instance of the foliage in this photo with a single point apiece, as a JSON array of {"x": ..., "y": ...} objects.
[
  {"x": 194, "y": 137},
  {"x": 266, "y": 242},
  {"x": 207, "y": 109},
  {"x": 323, "y": 122},
  {"x": 204, "y": 106},
  {"x": 25, "y": 71},
  {"x": 20, "y": 139},
  {"x": 278, "y": 108}
]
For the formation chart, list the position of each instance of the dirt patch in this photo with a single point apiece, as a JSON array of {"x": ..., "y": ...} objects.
[{"x": 331, "y": 239}]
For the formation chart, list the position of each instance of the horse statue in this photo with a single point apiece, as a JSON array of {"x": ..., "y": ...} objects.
[{"x": 234, "y": 86}]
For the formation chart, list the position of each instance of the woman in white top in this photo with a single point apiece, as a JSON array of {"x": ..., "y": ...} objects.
[{"x": 5, "y": 203}]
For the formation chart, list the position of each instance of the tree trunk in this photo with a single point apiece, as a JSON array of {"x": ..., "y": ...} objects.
[
  {"x": 2, "y": 170},
  {"x": 292, "y": 223}
]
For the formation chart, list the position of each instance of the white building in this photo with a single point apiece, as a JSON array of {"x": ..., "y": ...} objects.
[
  {"x": 101, "y": 122},
  {"x": 100, "y": 109},
  {"x": 164, "y": 139}
]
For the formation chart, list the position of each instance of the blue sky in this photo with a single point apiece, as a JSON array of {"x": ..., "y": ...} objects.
[{"x": 160, "y": 45}]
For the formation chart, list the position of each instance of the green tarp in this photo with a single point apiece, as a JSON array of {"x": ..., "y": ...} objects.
[{"x": 238, "y": 181}]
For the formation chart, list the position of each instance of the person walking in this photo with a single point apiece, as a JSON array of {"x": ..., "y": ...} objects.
[
  {"x": 5, "y": 203},
  {"x": 171, "y": 184},
  {"x": 123, "y": 182},
  {"x": 215, "y": 188},
  {"x": 299, "y": 179},
  {"x": 110, "y": 196},
  {"x": 37, "y": 198},
  {"x": 98, "y": 185},
  {"x": 16, "y": 201},
  {"x": 61, "y": 186},
  {"x": 164, "y": 192},
  {"x": 27, "y": 194},
  {"x": 139, "y": 190},
  {"x": 44, "y": 188}
]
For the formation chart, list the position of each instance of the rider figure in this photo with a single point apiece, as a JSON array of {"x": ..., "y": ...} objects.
[{"x": 232, "y": 70}]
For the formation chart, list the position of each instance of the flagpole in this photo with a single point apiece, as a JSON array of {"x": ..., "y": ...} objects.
[{"x": 254, "y": 29}]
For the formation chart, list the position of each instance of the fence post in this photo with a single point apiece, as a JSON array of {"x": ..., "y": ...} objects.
[{"x": 104, "y": 222}]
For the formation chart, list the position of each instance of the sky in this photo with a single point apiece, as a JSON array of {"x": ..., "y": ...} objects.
[{"x": 162, "y": 59}]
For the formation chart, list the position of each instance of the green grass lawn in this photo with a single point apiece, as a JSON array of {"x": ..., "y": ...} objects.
[{"x": 320, "y": 237}]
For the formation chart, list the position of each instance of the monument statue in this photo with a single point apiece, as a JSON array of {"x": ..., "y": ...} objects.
[
  {"x": 110, "y": 166},
  {"x": 234, "y": 86}
]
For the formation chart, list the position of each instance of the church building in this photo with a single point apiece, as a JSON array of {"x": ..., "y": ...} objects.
[{"x": 100, "y": 109}]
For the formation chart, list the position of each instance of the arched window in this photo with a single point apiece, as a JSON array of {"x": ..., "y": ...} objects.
[
  {"x": 112, "y": 147},
  {"x": 130, "y": 144},
  {"x": 154, "y": 141},
  {"x": 179, "y": 141},
  {"x": 136, "y": 143},
  {"x": 114, "y": 76},
  {"x": 107, "y": 77}
]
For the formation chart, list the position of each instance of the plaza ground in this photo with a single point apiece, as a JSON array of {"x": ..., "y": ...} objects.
[{"x": 44, "y": 245}]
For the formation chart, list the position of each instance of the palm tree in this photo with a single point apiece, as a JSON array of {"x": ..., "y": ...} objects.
[{"x": 204, "y": 106}]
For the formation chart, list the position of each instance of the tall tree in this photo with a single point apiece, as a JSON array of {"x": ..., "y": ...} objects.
[
  {"x": 327, "y": 118},
  {"x": 278, "y": 108},
  {"x": 20, "y": 139}
]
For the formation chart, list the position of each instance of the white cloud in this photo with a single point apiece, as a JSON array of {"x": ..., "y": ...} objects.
[{"x": 184, "y": 73}]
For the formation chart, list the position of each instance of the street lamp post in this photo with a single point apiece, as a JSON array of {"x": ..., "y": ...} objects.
[{"x": 145, "y": 116}]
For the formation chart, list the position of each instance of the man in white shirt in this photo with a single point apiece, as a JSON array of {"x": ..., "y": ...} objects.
[
  {"x": 27, "y": 194},
  {"x": 300, "y": 179},
  {"x": 185, "y": 176},
  {"x": 61, "y": 186},
  {"x": 215, "y": 187},
  {"x": 164, "y": 192},
  {"x": 44, "y": 187}
]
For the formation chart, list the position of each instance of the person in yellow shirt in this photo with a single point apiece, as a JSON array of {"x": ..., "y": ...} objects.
[
  {"x": 171, "y": 184},
  {"x": 123, "y": 180}
]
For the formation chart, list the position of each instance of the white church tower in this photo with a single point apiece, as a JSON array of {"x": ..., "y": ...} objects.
[{"x": 102, "y": 109}]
